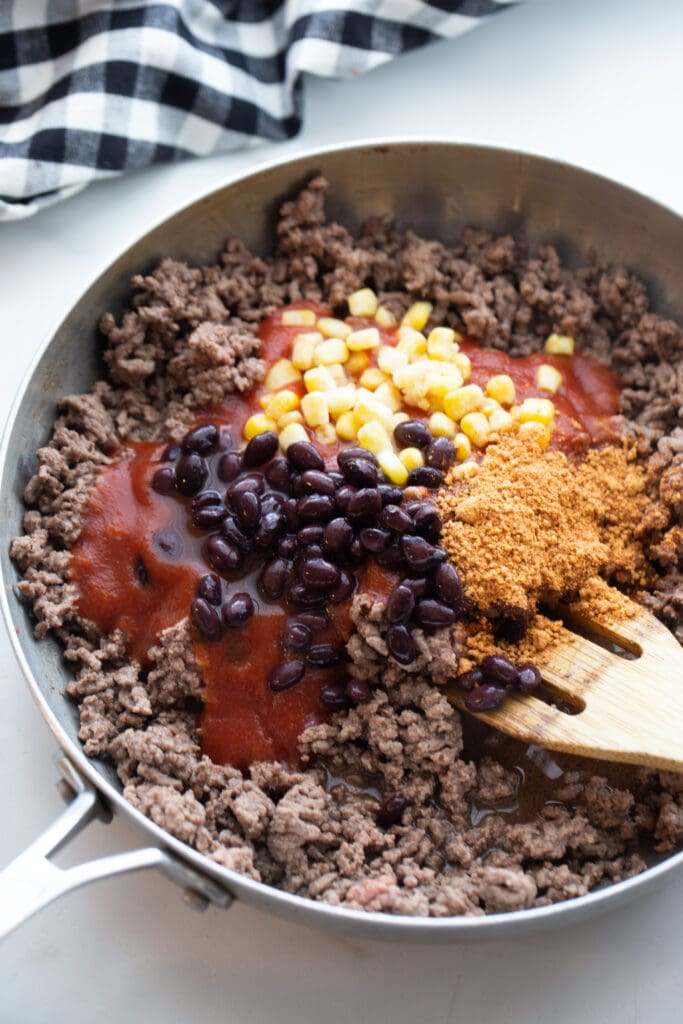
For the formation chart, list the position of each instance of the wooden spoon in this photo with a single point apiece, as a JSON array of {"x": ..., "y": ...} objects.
[{"x": 627, "y": 710}]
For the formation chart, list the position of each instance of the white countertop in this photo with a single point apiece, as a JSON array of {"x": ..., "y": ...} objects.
[{"x": 596, "y": 84}]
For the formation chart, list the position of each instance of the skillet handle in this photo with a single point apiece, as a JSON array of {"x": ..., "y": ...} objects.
[{"x": 32, "y": 881}]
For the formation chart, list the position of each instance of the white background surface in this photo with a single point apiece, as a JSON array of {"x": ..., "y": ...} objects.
[{"x": 599, "y": 84}]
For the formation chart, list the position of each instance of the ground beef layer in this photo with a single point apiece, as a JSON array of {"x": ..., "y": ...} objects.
[{"x": 467, "y": 844}]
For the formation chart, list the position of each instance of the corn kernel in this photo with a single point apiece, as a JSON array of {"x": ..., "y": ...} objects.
[
  {"x": 476, "y": 427},
  {"x": 539, "y": 432},
  {"x": 303, "y": 348},
  {"x": 368, "y": 410},
  {"x": 372, "y": 378},
  {"x": 389, "y": 395},
  {"x": 465, "y": 470},
  {"x": 298, "y": 318},
  {"x": 326, "y": 434},
  {"x": 441, "y": 343},
  {"x": 281, "y": 373},
  {"x": 390, "y": 463},
  {"x": 289, "y": 417},
  {"x": 363, "y": 302},
  {"x": 357, "y": 362},
  {"x": 280, "y": 403},
  {"x": 501, "y": 420},
  {"x": 412, "y": 458},
  {"x": 292, "y": 433},
  {"x": 559, "y": 345},
  {"x": 462, "y": 401},
  {"x": 399, "y": 417},
  {"x": 259, "y": 423},
  {"x": 384, "y": 317},
  {"x": 346, "y": 427},
  {"x": 417, "y": 316},
  {"x": 389, "y": 358},
  {"x": 332, "y": 350},
  {"x": 540, "y": 410},
  {"x": 463, "y": 447},
  {"x": 441, "y": 425},
  {"x": 333, "y": 328},
  {"x": 548, "y": 378},
  {"x": 319, "y": 378},
  {"x": 365, "y": 338},
  {"x": 502, "y": 388},
  {"x": 411, "y": 341},
  {"x": 489, "y": 406},
  {"x": 338, "y": 374},
  {"x": 464, "y": 364},
  {"x": 340, "y": 400},
  {"x": 374, "y": 438},
  {"x": 314, "y": 408}
]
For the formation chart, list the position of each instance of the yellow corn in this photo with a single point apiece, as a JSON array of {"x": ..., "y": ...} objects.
[
  {"x": 346, "y": 427},
  {"x": 372, "y": 378},
  {"x": 373, "y": 437},
  {"x": 441, "y": 343},
  {"x": 259, "y": 423},
  {"x": 326, "y": 434},
  {"x": 441, "y": 425},
  {"x": 390, "y": 463},
  {"x": 412, "y": 458},
  {"x": 280, "y": 403},
  {"x": 462, "y": 401},
  {"x": 340, "y": 400},
  {"x": 389, "y": 395},
  {"x": 365, "y": 338},
  {"x": 333, "y": 328},
  {"x": 476, "y": 427},
  {"x": 298, "y": 318},
  {"x": 280, "y": 374},
  {"x": 303, "y": 349},
  {"x": 314, "y": 408},
  {"x": 548, "y": 378},
  {"x": 289, "y": 417},
  {"x": 559, "y": 345},
  {"x": 293, "y": 432},
  {"x": 319, "y": 378},
  {"x": 384, "y": 317},
  {"x": 338, "y": 374},
  {"x": 357, "y": 363},
  {"x": 500, "y": 420},
  {"x": 465, "y": 470},
  {"x": 367, "y": 410},
  {"x": 332, "y": 350},
  {"x": 390, "y": 358},
  {"x": 363, "y": 302},
  {"x": 539, "y": 432},
  {"x": 539, "y": 410},
  {"x": 399, "y": 417},
  {"x": 417, "y": 315},
  {"x": 464, "y": 364},
  {"x": 502, "y": 388},
  {"x": 463, "y": 447}
]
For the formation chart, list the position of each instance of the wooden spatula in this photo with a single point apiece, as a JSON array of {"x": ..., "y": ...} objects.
[{"x": 628, "y": 710}]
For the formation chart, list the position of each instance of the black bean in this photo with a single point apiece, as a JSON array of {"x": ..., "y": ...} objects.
[
  {"x": 412, "y": 434},
  {"x": 345, "y": 588},
  {"x": 316, "y": 482},
  {"x": 291, "y": 514},
  {"x": 393, "y": 518},
  {"x": 433, "y": 614},
  {"x": 374, "y": 539},
  {"x": 297, "y": 637},
  {"x": 356, "y": 553},
  {"x": 427, "y": 520},
  {"x": 273, "y": 579},
  {"x": 247, "y": 508},
  {"x": 268, "y": 530},
  {"x": 358, "y": 691},
  {"x": 205, "y": 618},
  {"x": 302, "y": 596},
  {"x": 170, "y": 453},
  {"x": 318, "y": 573},
  {"x": 229, "y": 466},
  {"x": 343, "y": 496},
  {"x": 499, "y": 669},
  {"x": 440, "y": 454},
  {"x": 336, "y": 478},
  {"x": 222, "y": 554},
  {"x": 425, "y": 476},
  {"x": 365, "y": 505},
  {"x": 278, "y": 474},
  {"x": 287, "y": 673},
  {"x": 287, "y": 547},
  {"x": 391, "y": 558},
  {"x": 249, "y": 482},
  {"x": 333, "y": 697},
  {"x": 337, "y": 535},
  {"x": 191, "y": 472},
  {"x": 233, "y": 532},
  {"x": 168, "y": 541},
  {"x": 303, "y": 455},
  {"x": 271, "y": 503},
  {"x": 224, "y": 440},
  {"x": 260, "y": 449},
  {"x": 400, "y": 604},
  {"x": 360, "y": 472},
  {"x": 206, "y": 498},
  {"x": 315, "y": 507},
  {"x": 210, "y": 517},
  {"x": 354, "y": 453},
  {"x": 401, "y": 644},
  {"x": 485, "y": 697},
  {"x": 209, "y": 587},
  {"x": 419, "y": 585},
  {"x": 202, "y": 439},
  {"x": 311, "y": 551},
  {"x": 310, "y": 535},
  {"x": 296, "y": 486},
  {"x": 323, "y": 656},
  {"x": 468, "y": 680},
  {"x": 390, "y": 494},
  {"x": 237, "y": 610},
  {"x": 447, "y": 585},
  {"x": 314, "y": 620},
  {"x": 420, "y": 555},
  {"x": 528, "y": 678},
  {"x": 163, "y": 481},
  {"x": 390, "y": 811}
]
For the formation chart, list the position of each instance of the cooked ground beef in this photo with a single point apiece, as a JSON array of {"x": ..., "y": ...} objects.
[{"x": 467, "y": 843}]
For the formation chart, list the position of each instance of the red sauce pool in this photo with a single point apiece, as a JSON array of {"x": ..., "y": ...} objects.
[{"x": 127, "y": 578}]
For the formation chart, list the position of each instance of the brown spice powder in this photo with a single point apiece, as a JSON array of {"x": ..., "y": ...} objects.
[{"x": 530, "y": 525}]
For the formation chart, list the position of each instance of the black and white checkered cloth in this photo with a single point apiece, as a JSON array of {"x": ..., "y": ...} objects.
[{"x": 90, "y": 88}]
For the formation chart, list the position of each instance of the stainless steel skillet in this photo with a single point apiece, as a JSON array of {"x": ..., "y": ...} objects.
[{"x": 436, "y": 188}]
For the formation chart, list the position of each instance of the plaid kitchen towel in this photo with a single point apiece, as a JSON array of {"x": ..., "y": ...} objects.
[{"x": 90, "y": 88}]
